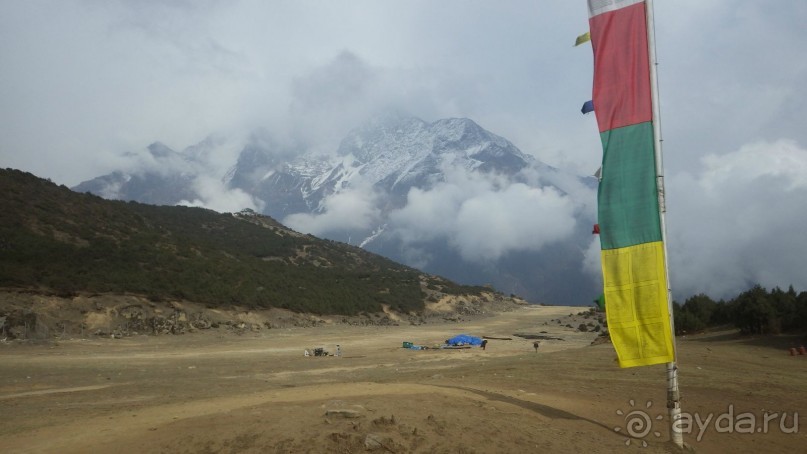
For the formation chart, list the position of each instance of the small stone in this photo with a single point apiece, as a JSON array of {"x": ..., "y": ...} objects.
[{"x": 343, "y": 413}]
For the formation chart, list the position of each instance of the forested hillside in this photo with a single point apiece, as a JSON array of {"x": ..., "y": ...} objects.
[{"x": 55, "y": 240}]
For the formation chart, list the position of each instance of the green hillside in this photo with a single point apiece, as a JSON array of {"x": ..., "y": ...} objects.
[{"x": 53, "y": 240}]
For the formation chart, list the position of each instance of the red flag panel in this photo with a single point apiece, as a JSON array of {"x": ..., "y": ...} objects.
[{"x": 621, "y": 67}]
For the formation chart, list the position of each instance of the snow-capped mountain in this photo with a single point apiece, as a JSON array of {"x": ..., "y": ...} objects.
[
  {"x": 405, "y": 188},
  {"x": 406, "y": 152},
  {"x": 164, "y": 177}
]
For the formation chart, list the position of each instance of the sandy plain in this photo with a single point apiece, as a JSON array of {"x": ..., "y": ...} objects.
[{"x": 213, "y": 391}]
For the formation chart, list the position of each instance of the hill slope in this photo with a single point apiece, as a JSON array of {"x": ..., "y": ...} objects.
[{"x": 55, "y": 240}]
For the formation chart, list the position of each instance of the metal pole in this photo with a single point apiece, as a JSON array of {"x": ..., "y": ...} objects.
[{"x": 673, "y": 396}]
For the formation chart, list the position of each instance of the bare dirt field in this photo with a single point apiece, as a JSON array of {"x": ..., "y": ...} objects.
[{"x": 214, "y": 391}]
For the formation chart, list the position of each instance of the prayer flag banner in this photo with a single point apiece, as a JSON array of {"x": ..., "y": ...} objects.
[
  {"x": 633, "y": 263},
  {"x": 584, "y": 38}
]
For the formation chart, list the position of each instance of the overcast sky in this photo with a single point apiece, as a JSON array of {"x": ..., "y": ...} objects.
[{"x": 84, "y": 82}]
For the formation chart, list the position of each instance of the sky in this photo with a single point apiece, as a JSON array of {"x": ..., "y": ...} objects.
[{"x": 84, "y": 83}]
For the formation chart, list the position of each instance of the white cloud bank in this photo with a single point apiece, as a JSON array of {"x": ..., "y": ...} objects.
[
  {"x": 740, "y": 221},
  {"x": 484, "y": 218},
  {"x": 214, "y": 195},
  {"x": 347, "y": 210}
]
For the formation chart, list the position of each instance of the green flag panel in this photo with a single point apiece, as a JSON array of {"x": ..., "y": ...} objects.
[{"x": 628, "y": 211}]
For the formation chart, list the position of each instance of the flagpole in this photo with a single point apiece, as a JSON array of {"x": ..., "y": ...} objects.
[{"x": 673, "y": 396}]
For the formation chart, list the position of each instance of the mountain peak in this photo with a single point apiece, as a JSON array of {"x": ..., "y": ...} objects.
[{"x": 160, "y": 150}]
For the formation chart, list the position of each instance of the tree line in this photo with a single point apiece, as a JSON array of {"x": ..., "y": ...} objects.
[{"x": 755, "y": 311}]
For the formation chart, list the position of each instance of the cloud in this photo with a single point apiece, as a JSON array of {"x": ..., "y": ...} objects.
[
  {"x": 86, "y": 78},
  {"x": 516, "y": 218},
  {"x": 723, "y": 86},
  {"x": 215, "y": 196},
  {"x": 331, "y": 99},
  {"x": 739, "y": 221},
  {"x": 351, "y": 209},
  {"x": 484, "y": 217},
  {"x": 592, "y": 263}
]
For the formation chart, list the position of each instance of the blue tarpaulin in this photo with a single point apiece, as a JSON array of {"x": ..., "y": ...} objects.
[{"x": 464, "y": 339}]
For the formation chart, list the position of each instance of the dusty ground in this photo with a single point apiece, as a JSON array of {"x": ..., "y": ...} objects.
[{"x": 214, "y": 391}]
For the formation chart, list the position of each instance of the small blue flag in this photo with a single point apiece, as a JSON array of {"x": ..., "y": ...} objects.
[{"x": 588, "y": 106}]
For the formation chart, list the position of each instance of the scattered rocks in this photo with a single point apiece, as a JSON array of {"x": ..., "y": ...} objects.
[
  {"x": 373, "y": 442},
  {"x": 384, "y": 421},
  {"x": 343, "y": 413},
  {"x": 603, "y": 338},
  {"x": 582, "y": 328}
]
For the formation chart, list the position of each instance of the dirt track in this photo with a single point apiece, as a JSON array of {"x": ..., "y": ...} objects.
[{"x": 215, "y": 392}]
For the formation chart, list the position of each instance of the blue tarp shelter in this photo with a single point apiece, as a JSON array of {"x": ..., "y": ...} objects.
[{"x": 464, "y": 339}]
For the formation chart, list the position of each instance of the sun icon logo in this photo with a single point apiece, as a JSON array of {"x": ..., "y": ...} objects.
[{"x": 638, "y": 423}]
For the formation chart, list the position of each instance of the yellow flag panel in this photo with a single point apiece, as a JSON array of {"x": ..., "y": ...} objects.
[{"x": 636, "y": 304}]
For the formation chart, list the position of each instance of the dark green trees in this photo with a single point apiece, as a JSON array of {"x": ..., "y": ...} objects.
[{"x": 755, "y": 311}]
